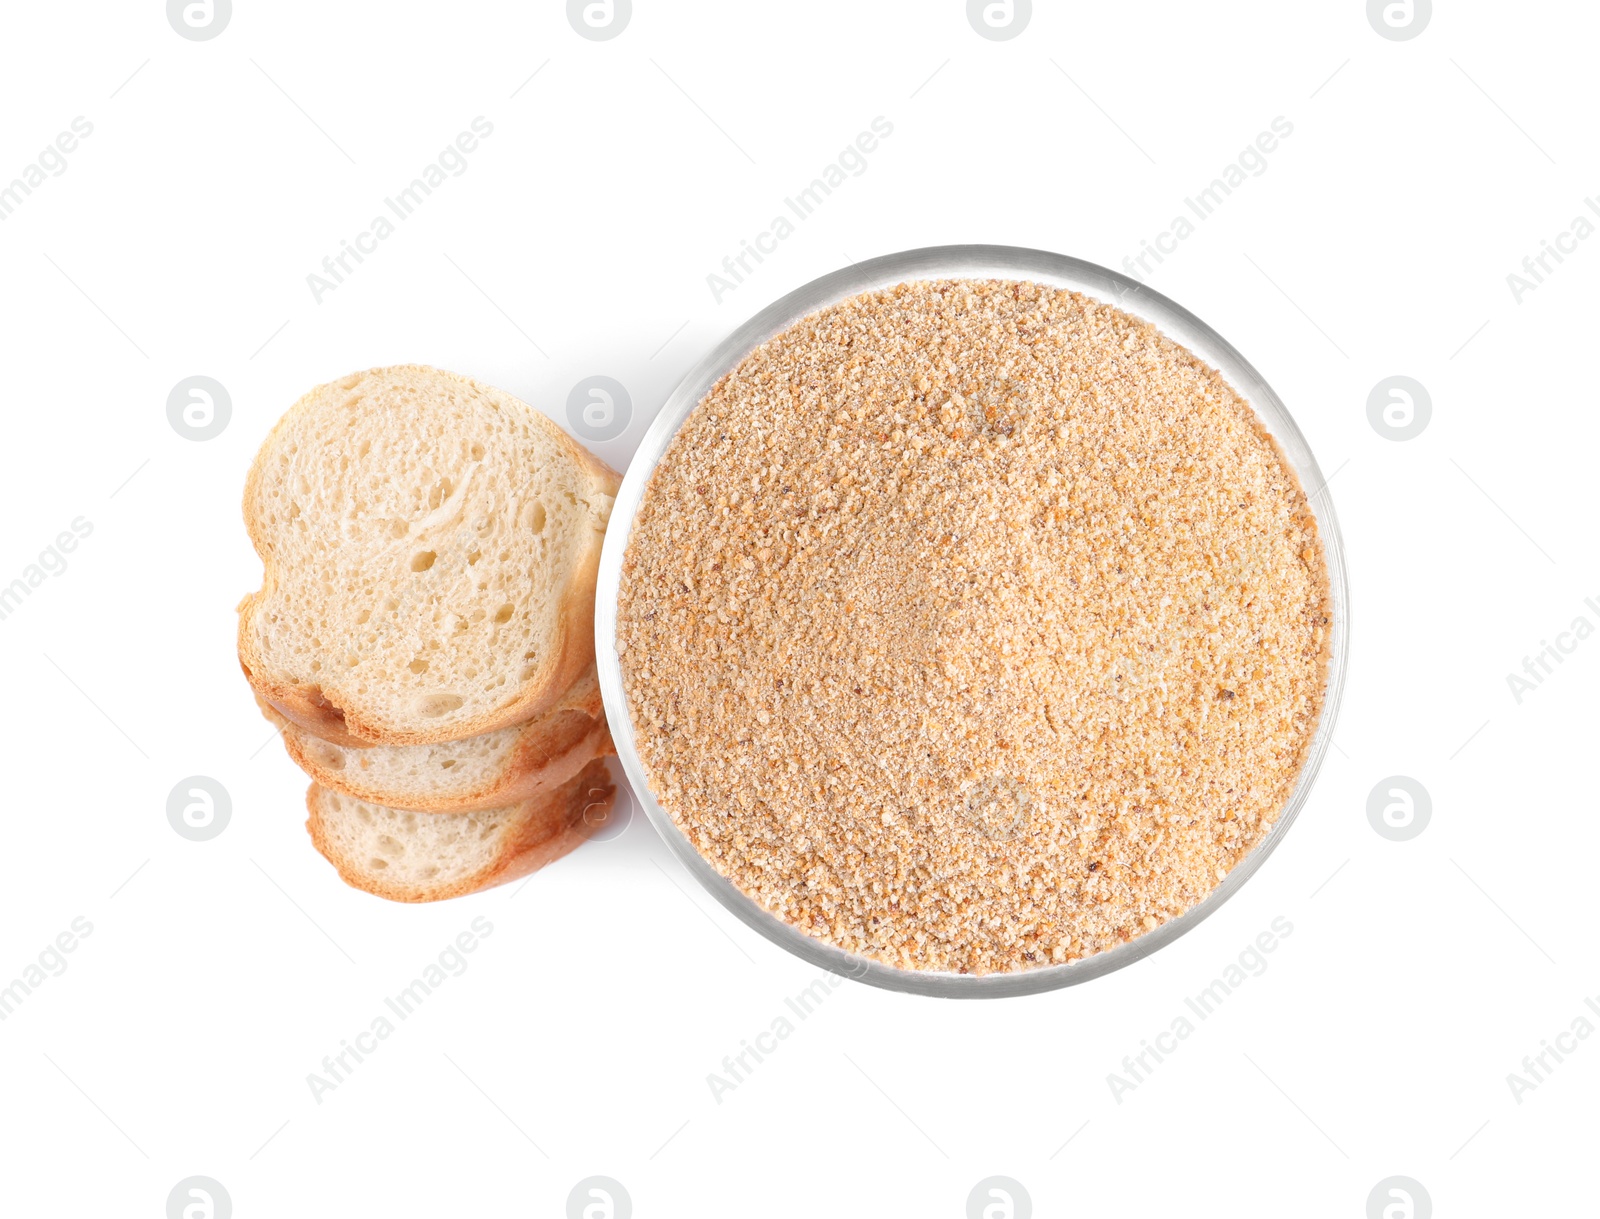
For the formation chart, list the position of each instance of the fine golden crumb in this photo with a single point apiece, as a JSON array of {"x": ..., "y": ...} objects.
[{"x": 973, "y": 626}]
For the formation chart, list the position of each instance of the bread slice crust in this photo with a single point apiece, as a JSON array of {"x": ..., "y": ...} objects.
[
  {"x": 524, "y": 759},
  {"x": 530, "y": 835},
  {"x": 337, "y": 673}
]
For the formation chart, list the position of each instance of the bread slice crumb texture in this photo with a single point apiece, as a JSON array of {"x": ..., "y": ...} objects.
[
  {"x": 413, "y": 856},
  {"x": 973, "y": 626},
  {"x": 430, "y": 547},
  {"x": 486, "y": 771}
]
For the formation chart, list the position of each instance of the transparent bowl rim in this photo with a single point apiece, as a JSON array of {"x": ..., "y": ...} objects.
[{"x": 964, "y": 262}]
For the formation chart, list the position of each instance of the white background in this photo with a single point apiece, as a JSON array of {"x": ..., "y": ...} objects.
[{"x": 218, "y": 974}]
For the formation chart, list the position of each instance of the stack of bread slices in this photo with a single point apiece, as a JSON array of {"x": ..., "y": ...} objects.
[{"x": 424, "y": 633}]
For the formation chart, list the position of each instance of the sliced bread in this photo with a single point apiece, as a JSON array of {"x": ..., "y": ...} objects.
[
  {"x": 430, "y": 547},
  {"x": 425, "y": 857},
  {"x": 492, "y": 770}
]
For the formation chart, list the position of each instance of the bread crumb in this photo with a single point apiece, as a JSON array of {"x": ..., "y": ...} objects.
[{"x": 973, "y": 625}]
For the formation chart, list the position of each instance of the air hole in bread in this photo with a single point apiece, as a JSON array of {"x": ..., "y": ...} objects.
[
  {"x": 447, "y": 763},
  {"x": 390, "y": 846},
  {"x": 473, "y": 556},
  {"x": 376, "y": 864},
  {"x": 435, "y": 705},
  {"x": 477, "y": 452},
  {"x": 418, "y": 665},
  {"x": 398, "y": 529},
  {"x": 361, "y": 618},
  {"x": 366, "y": 447},
  {"x": 503, "y": 614},
  {"x": 536, "y": 518},
  {"x": 423, "y": 561}
]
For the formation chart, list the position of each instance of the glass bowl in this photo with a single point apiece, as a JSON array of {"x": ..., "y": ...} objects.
[{"x": 964, "y": 262}]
